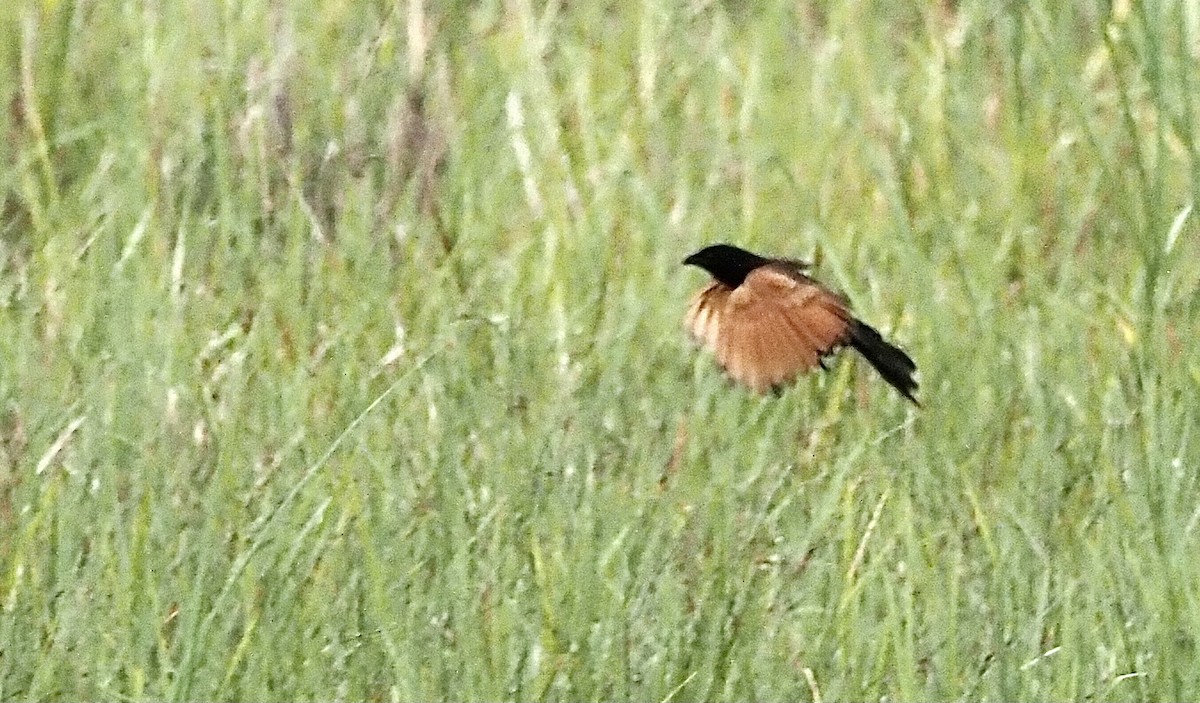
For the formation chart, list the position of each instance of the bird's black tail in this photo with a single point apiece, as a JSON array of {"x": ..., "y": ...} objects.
[{"x": 893, "y": 364}]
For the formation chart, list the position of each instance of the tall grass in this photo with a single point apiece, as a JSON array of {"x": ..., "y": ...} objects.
[{"x": 341, "y": 351}]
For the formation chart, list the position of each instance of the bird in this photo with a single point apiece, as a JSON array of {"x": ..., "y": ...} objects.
[{"x": 767, "y": 322}]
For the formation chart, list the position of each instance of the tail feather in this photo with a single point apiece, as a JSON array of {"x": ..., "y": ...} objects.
[{"x": 890, "y": 361}]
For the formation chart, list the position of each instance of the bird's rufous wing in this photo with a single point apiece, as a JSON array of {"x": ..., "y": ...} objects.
[{"x": 776, "y": 325}]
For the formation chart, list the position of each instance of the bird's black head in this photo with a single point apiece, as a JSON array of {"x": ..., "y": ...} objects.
[{"x": 727, "y": 263}]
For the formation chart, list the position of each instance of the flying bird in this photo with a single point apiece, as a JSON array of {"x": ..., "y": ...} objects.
[{"x": 767, "y": 322}]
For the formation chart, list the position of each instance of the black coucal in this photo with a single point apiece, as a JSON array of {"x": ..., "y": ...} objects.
[{"x": 767, "y": 322}]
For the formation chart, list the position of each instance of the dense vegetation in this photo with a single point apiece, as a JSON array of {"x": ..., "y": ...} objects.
[{"x": 341, "y": 353}]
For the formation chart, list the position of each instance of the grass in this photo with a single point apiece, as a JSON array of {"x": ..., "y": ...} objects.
[{"x": 341, "y": 352}]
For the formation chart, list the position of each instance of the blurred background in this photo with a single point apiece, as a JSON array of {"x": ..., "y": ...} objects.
[{"x": 341, "y": 351}]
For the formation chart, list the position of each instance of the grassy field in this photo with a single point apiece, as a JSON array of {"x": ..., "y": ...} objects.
[{"x": 341, "y": 352}]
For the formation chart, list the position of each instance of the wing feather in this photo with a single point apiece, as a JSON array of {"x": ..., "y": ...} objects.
[
  {"x": 776, "y": 325},
  {"x": 703, "y": 317}
]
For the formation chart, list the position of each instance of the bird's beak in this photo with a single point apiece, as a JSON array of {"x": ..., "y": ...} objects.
[{"x": 690, "y": 261}]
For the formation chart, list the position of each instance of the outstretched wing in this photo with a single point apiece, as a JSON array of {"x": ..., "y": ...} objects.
[{"x": 776, "y": 325}]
